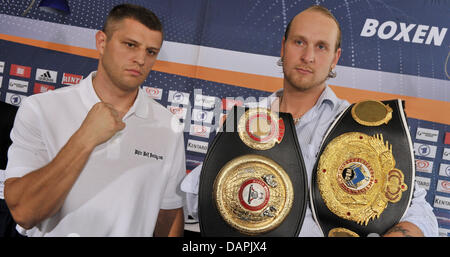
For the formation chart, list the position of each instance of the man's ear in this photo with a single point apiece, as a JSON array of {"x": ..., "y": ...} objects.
[
  {"x": 336, "y": 58},
  {"x": 100, "y": 41}
]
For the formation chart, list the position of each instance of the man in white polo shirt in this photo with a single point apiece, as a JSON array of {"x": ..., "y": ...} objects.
[{"x": 100, "y": 158}]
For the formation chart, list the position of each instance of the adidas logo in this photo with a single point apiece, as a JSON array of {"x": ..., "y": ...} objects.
[{"x": 46, "y": 75}]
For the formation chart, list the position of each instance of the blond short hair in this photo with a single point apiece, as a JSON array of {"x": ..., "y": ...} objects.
[{"x": 326, "y": 12}]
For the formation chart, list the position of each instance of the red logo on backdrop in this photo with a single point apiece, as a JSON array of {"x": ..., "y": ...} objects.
[
  {"x": 20, "y": 71},
  {"x": 41, "y": 88},
  {"x": 176, "y": 110},
  {"x": 421, "y": 164},
  {"x": 152, "y": 91},
  {"x": 227, "y": 104},
  {"x": 447, "y": 138},
  {"x": 446, "y": 185},
  {"x": 71, "y": 79}
]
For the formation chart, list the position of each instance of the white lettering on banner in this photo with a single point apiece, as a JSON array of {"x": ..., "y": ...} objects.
[
  {"x": 423, "y": 182},
  {"x": 18, "y": 85},
  {"x": 46, "y": 75},
  {"x": 197, "y": 146},
  {"x": 427, "y": 134},
  {"x": 2, "y": 67},
  {"x": 389, "y": 28},
  {"x": 425, "y": 150},
  {"x": 153, "y": 92},
  {"x": 71, "y": 79},
  {"x": 199, "y": 131},
  {"x": 424, "y": 166},
  {"x": 446, "y": 154},
  {"x": 444, "y": 170},
  {"x": 442, "y": 202},
  {"x": 1, "y": 80},
  {"x": 443, "y": 186},
  {"x": 14, "y": 99},
  {"x": 178, "y": 97}
]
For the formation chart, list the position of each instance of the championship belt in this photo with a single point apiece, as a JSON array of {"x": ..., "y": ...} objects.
[
  {"x": 253, "y": 179},
  {"x": 363, "y": 180}
]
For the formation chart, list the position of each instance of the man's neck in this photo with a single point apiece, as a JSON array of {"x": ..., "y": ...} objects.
[
  {"x": 298, "y": 102},
  {"x": 110, "y": 93}
]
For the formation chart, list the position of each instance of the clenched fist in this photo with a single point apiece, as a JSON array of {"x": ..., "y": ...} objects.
[{"x": 101, "y": 123}]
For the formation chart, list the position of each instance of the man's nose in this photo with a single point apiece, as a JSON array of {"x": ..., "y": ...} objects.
[
  {"x": 308, "y": 55},
  {"x": 140, "y": 57}
]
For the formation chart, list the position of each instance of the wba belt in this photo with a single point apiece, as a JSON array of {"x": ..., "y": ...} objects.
[
  {"x": 253, "y": 180},
  {"x": 363, "y": 180}
]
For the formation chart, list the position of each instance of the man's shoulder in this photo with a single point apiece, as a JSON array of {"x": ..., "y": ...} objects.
[
  {"x": 159, "y": 112},
  {"x": 56, "y": 94}
]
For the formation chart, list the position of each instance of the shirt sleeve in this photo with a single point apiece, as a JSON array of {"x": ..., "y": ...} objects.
[
  {"x": 420, "y": 213},
  {"x": 173, "y": 196},
  {"x": 27, "y": 151}
]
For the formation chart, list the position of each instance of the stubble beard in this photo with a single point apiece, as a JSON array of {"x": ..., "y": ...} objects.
[{"x": 300, "y": 85}]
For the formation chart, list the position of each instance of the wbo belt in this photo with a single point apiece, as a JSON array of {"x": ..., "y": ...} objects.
[
  {"x": 253, "y": 179},
  {"x": 362, "y": 182}
]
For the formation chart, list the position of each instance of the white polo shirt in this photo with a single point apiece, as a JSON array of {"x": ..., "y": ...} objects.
[{"x": 126, "y": 180}]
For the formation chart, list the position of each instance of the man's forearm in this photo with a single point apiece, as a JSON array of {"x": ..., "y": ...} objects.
[
  {"x": 170, "y": 223},
  {"x": 404, "y": 229},
  {"x": 41, "y": 193}
]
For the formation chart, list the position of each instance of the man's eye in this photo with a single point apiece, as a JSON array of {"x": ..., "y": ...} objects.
[
  {"x": 151, "y": 52},
  {"x": 130, "y": 44},
  {"x": 322, "y": 47},
  {"x": 298, "y": 42}
]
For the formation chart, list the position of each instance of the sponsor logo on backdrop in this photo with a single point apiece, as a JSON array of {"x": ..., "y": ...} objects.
[
  {"x": 2, "y": 67},
  {"x": 199, "y": 131},
  {"x": 178, "y": 97},
  {"x": 197, "y": 146},
  {"x": 46, "y": 75},
  {"x": 447, "y": 138},
  {"x": 1, "y": 81},
  {"x": 423, "y": 182},
  {"x": 14, "y": 99},
  {"x": 228, "y": 103},
  {"x": 444, "y": 232},
  {"x": 207, "y": 102},
  {"x": 427, "y": 134},
  {"x": 153, "y": 92},
  {"x": 415, "y": 33},
  {"x": 444, "y": 170},
  {"x": 202, "y": 116},
  {"x": 71, "y": 79},
  {"x": 20, "y": 71},
  {"x": 425, "y": 150},
  {"x": 442, "y": 202},
  {"x": 192, "y": 162},
  {"x": 42, "y": 88},
  {"x": 446, "y": 154},
  {"x": 443, "y": 186},
  {"x": 424, "y": 166},
  {"x": 18, "y": 85},
  {"x": 178, "y": 111}
]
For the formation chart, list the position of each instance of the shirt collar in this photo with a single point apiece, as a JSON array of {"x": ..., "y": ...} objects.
[
  {"x": 327, "y": 97},
  {"x": 90, "y": 97}
]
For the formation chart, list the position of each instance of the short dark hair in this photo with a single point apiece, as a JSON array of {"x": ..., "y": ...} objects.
[
  {"x": 136, "y": 12},
  {"x": 327, "y": 13}
]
